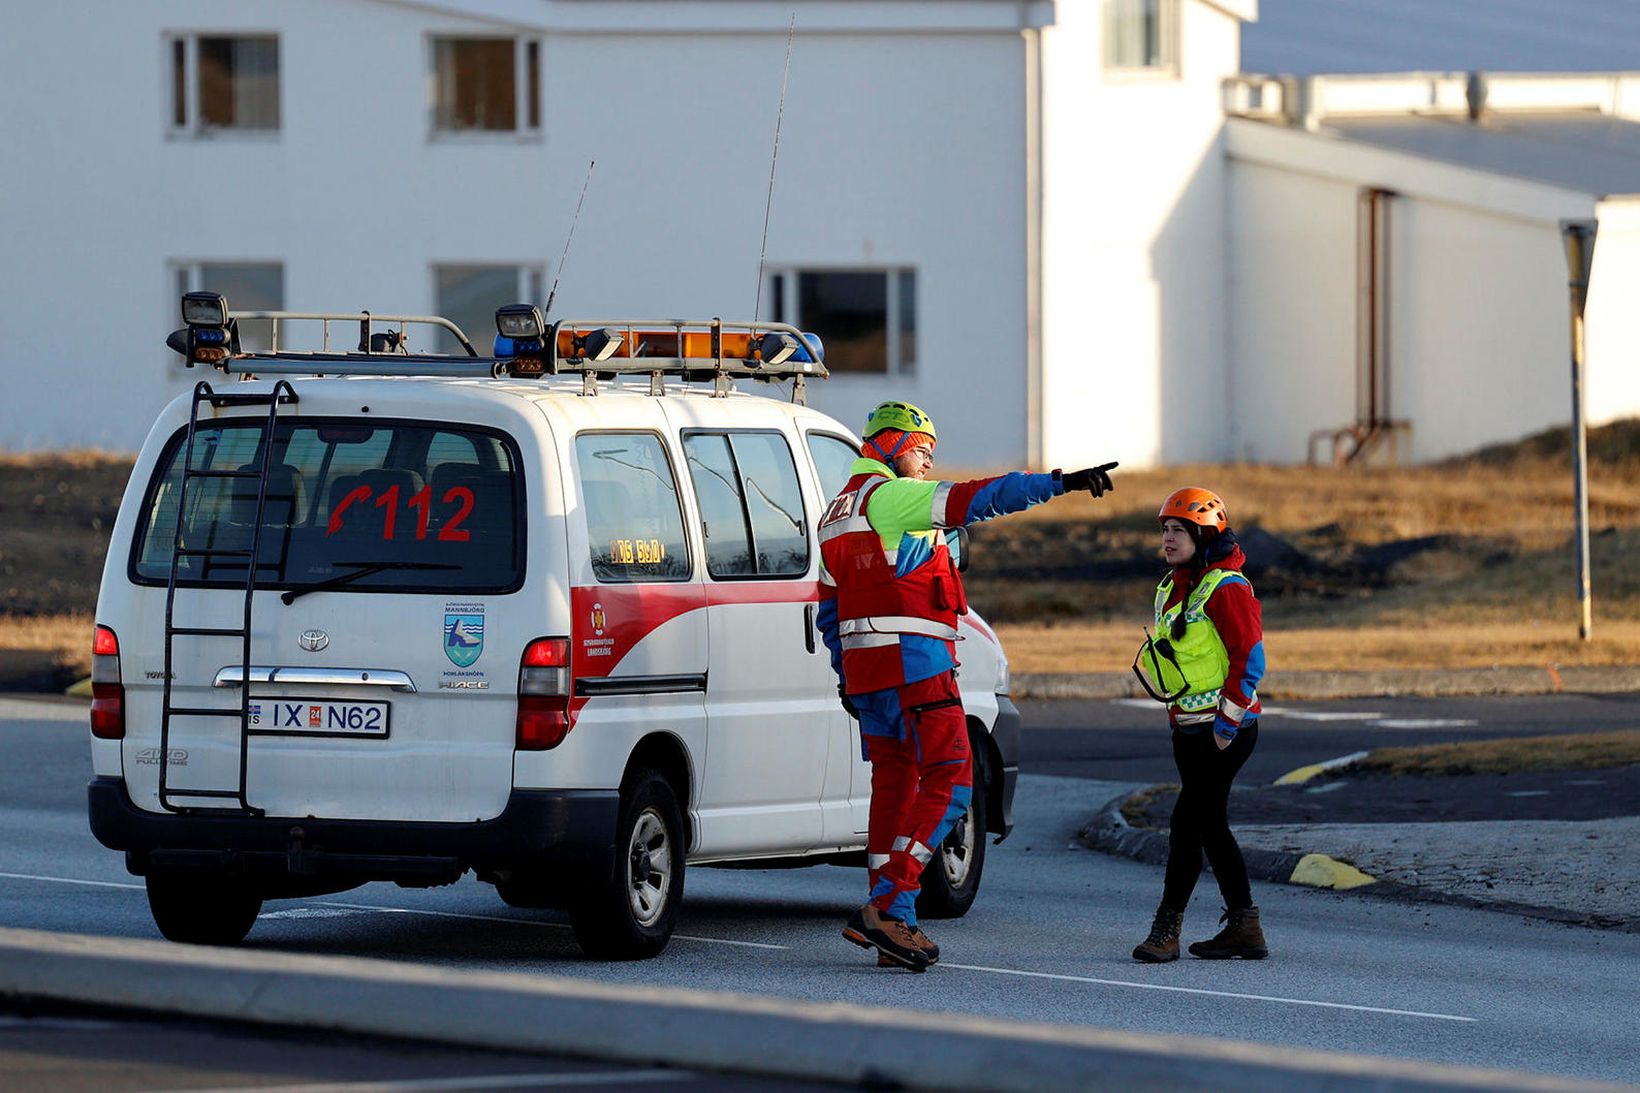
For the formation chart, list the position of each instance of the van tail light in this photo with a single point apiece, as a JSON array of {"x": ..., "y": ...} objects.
[
  {"x": 545, "y": 688},
  {"x": 107, "y": 692}
]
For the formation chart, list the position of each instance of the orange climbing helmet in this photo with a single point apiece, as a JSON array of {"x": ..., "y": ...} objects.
[{"x": 1195, "y": 505}]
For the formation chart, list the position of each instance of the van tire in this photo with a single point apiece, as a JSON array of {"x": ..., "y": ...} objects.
[
  {"x": 630, "y": 914},
  {"x": 202, "y": 908},
  {"x": 950, "y": 880}
]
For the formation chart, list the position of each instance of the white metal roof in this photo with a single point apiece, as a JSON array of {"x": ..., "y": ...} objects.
[
  {"x": 1572, "y": 131},
  {"x": 1592, "y": 154},
  {"x": 1309, "y": 36}
]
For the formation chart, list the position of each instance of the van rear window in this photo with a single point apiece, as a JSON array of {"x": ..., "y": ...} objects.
[{"x": 388, "y": 506}]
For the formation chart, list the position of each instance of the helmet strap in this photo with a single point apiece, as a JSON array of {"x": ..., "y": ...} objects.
[{"x": 888, "y": 457}]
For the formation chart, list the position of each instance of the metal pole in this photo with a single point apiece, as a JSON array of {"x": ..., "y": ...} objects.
[{"x": 1578, "y": 236}]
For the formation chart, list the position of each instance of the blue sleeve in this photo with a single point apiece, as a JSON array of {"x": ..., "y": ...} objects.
[
  {"x": 825, "y": 620},
  {"x": 1012, "y": 492}
]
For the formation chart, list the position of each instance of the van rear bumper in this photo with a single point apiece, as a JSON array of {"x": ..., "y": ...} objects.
[{"x": 550, "y": 828}]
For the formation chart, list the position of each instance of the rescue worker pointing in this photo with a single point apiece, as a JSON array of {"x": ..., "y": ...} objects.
[{"x": 890, "y": 597}]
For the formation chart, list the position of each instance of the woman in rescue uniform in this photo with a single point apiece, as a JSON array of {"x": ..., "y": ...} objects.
[
  {"x": 1207, "y": 658},
  {"x": 890, "y": 597}
]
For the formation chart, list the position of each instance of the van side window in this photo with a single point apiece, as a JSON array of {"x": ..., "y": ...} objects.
[
  {"x": 634, "y": 521},
  {"x": 750, "y": 503},
  {"x": 833, "y": 457}
]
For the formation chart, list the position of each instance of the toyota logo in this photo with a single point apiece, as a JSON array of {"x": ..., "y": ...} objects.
[{"x": 313, "y": 640}]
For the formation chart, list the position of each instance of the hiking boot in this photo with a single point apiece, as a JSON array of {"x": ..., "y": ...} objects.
[
  {"x": 869, "y": 928},
  {"x": 1241, "y": 937},
  {"x": 1163, "y": 943},
  {"x": 924, "y": 942}
]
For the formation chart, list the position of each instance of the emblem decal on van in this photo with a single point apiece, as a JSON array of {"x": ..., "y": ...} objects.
[
  {"x": 598, "y": 619},
  {"x": 463, "y": 638},
  {"x": 313, "y": 640}
]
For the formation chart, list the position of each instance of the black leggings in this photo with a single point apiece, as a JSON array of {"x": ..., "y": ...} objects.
[{"x": 1201, "y": 821}]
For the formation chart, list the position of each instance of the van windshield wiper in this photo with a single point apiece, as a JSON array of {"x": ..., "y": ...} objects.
[{"x": 364, "y": 569}]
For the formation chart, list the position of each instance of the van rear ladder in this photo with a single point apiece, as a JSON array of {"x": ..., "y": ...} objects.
[{"x": 282, "y": 392}]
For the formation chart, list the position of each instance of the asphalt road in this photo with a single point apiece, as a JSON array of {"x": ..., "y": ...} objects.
[
  {"x": 1048, "y": 939},
  {"x": 1127, "y": 740}
]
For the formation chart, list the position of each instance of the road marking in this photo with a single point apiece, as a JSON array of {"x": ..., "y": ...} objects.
[
  {"x": 476, "y": 1081},
  {"x": 67, "y": 880},
  {"x": 535, "y": 922},
  {"x": 761, "y": 945},
  {"x": 1423, "y": 723},
  {"x": 1325, "y": 715},
  {"x": 1215, "y": 994}
]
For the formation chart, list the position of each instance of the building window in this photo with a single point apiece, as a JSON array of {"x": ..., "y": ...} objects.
[
  {"x": 468, "y": 295},
  {"x": 224, "y": 83},
  {"x": 486, "y": 85},
  {"x": 866, "y": 318},
  {"x": 248, "y": 286},
  {"x": 1141, "y": 35}
]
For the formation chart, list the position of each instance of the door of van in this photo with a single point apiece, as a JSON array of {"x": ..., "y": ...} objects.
[
  {"x": 637, "y": 617},
  {"x": 385, "y": 628},
  {"x": 769, "y": 699}
]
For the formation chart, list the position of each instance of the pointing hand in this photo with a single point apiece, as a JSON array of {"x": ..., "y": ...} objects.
[{"x": 1096, "y": 480}]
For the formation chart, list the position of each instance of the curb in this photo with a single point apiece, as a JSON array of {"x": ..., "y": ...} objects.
[
  {"x": 1110, "y": 833},
  {"x": 873, "y": 1046},
  {"x": 1320, "y": 686}
]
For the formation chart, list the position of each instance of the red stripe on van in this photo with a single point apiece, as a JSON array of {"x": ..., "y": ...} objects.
[{"x": 616, "y": 617}]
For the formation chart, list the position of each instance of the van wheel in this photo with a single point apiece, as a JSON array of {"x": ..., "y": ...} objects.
[
  {"x": 202, "y": 908},
  {"x": 630, "y": 915},
  {"x": 950, "y": 881}
]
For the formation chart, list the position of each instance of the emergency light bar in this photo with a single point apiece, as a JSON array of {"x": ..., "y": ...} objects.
[
  {"x": 613, "y": 347},
  {"x": 525, "y": 347},
  {"x": 209, "y": 335}
]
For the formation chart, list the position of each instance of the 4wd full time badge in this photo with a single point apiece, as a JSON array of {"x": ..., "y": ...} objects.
[{"x": 463, "y": 638}]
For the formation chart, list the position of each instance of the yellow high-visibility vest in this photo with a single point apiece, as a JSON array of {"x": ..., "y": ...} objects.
[{"x": 1199, "y": 664}]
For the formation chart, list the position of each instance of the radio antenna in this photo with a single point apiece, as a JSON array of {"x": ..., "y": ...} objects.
[
  {"x": 591, "y": 163},
  {"x": 774, "y": 160}
]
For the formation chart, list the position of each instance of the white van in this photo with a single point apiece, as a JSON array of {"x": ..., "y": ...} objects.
[{"x": 546, "y": 615}]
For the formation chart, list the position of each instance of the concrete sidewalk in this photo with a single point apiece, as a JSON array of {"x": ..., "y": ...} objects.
[{"x": 1577, "y": 872}]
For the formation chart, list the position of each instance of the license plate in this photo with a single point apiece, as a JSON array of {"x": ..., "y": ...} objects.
[{"x": 314, "y": 717}]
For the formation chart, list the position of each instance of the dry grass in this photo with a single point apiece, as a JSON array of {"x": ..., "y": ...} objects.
[
  {"x": 1523, "y": 491},
  {"x": 59, "y": 639},
  {"x": 79, "y": 459},
  {"x": 1069, "y": 584},
  {"x": 1579, "y": 751},
  {"x": 1109, "y": 646}
]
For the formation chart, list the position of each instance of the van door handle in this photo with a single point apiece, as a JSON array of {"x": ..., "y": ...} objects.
[{"x": 809, "y": 611}]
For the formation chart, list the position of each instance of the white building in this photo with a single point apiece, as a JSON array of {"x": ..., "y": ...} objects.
[
  {"x": 1035, "y": 219},
  {"x": 1398, "y": 280},
  {"x": 958, "y": 207}
]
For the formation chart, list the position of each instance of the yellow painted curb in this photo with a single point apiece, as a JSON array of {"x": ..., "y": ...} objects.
[
  {"x": 1320, "y": 871},
  {"x": 1302, "y": 774},
  {"x": 81, "y": 689}
]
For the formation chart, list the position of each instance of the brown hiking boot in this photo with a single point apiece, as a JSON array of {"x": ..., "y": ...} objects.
[
  {"x": 924, "y": 942},
  {"x": 1163, "y": 943},
  {"x": 1241, "y": 937},
  {"x": 869, "y": 928}
]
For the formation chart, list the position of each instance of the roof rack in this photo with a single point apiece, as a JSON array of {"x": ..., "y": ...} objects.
[{"x": 706, "y": 349}]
